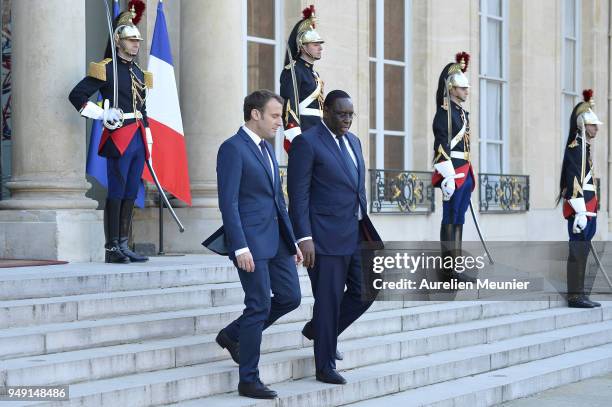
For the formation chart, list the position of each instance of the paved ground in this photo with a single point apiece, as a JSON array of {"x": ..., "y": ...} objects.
[{"x": 595, "y": 392}]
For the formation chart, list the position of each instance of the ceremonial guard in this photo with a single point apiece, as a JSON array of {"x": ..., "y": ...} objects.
[
  {"x": 577, "y": 189},
  {"x": 300, "y": 85},
  {"x": 126, "y": 138},
  {"x": 452, "y": 166}
]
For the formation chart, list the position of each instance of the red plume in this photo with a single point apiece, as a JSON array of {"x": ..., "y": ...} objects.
[
  {"x": 139, "y": 7},
  {"x": 308, "y": 11},
  {"x": 587, "y": 94},
  {"x": 466, "y": 59}
]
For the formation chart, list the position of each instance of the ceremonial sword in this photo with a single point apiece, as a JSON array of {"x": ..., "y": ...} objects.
[{"x": 115, "y": 99}]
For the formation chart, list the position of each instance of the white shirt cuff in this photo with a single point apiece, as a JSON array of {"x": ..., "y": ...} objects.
[
  {"x": 304, "y": 238},
  {"x": 240, "y": 251}
]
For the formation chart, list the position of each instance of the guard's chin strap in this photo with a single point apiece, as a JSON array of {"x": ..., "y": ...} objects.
[{"x": 309, "y": 54}]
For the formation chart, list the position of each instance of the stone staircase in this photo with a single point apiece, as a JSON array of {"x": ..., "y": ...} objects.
[{"x": 141, "y": 335}]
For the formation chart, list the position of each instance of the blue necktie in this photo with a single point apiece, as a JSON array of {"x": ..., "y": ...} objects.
[
  {"x": 266, "y": 157},
  {"x": 350, "y": 164}
]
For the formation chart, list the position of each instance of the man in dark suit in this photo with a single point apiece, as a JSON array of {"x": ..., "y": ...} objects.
[
  {"x": 327, "y": 201},
  {"x": 258, "y": 235}
]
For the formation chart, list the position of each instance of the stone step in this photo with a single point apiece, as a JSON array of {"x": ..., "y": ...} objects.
[
  {"x": 62, "y": 337},
  {"x": 92, "y": 278},
  {"x": 93, "y": 364},
  {"x": 180, "y": 384},
  {"x": 498, "y": 386},
  {"x": 38, "y": 311}
]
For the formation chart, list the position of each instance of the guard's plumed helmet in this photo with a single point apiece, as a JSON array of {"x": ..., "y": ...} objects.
[
  {"x": 453, "y": 75},
  {"x": 125, "y": 26},
  {"x": 303, "y": 33},
  {"x": 584, "y": 110}
]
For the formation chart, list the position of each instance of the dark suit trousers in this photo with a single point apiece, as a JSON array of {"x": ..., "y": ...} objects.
[
  {"x": 278, "y": 275},
  {"x": 335, "y": 309}
]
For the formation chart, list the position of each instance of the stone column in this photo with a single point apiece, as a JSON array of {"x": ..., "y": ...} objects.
[
  {"x": 48, "y": 215},
  {"x": 211, "y": 96}
]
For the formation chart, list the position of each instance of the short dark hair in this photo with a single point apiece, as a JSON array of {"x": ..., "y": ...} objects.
[
  {"x": 257, "y": 100},
  {"x": 333, "y": 95}
]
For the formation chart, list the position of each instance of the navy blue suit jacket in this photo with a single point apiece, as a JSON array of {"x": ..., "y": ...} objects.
[
  {"x": 253, "y": 207},
  {"x": 323, "y": 200}
]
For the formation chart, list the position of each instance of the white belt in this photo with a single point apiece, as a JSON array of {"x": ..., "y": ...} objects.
[
  {"x": 461, "y": 155},
  {"x": 310, "y": 111},
  {"x": 311, "y": 98},
  {"x": 132, "y": 115},
  {"x": 458, "y": 137},
  {"x": 589, "y": 187}
]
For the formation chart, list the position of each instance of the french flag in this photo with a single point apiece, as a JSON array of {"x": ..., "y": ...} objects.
[{"x": 168, "y": 155}]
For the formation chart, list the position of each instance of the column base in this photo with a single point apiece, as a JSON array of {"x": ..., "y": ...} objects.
[{"x": 75, "y": 235}]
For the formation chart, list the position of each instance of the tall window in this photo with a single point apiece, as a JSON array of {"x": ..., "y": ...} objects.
[
  {"x": 390, "y": 84},
  {"x": 494, "y": 86},
  {"x": 570, "y": 67},
  {"x": 262, "y": 48}
]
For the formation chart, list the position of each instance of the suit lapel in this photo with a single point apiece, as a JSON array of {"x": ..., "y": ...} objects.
[
  {"x": 255, "y": 149},
  {"x": 327, "y": 140}
]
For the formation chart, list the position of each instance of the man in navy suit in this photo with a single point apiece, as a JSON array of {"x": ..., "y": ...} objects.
[
  {"x": 258, "y": 235},
  {"x": 327, "y": 207}
]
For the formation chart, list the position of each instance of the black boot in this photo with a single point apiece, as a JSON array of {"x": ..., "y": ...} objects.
[
  {"x": 446, "y": 250},
  {"x": 112, "y": 253},
  {"x": 127, "y": 208},
  {"x": 576, "y": 267},
  {"x": 457, "y": 252}
]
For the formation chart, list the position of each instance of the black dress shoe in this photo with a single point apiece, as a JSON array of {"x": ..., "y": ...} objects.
[
  {"x": 232, "y": 347},
  {"x": 594, "y": 303},
  {"x": 256, "y": 390},
  {"x": 307, "y": 332},
  {"x": 580, "y": 302},
  {"x": 332, "y": 377}
]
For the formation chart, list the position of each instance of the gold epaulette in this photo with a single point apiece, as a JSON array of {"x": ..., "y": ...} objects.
[
  {"x": 148, "y": 79},
  {"x": 98, "y": 69},
  {"x": 288, "y": 66},
  {"x": 573, "y": 143}
]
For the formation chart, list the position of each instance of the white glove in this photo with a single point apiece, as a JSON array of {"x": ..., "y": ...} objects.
[
  {"x": 93, "y": 111},
  {"x": 113, "y": 117},
  {"x": 448, "y": 188},
  {"x": 580, "y": 218},
  {"x": 448, "y": 184}
]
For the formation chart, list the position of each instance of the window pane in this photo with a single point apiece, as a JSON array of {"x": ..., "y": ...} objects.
[
  {"x": 494, "y": 158},
  {"x": 493, "y": 48},
  {"x": 372, "y": 28},
  {"x": 260, "y": 66},
  {"x": 394, "y": 97},
  {"x": 494, "y": 8},
  {"x": 493, "y": 109},
  {"x": 394, "y": 30},
  {"x": 569, "y": 73},
  {"x": 372, "y": 155},
  {"x": 260, "y": 18},
  {"x": 394, "y": 152},
  {"x": 372, "y": 95},
  {"x": 569, "y": 12}
]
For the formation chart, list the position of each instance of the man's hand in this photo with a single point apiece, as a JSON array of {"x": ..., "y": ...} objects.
[
  {"x": 245, "y": 262},
  {"x": 298, "y": 256},
  {"x": 308, "y": 252},
  {"x": 448, "y": 188}
]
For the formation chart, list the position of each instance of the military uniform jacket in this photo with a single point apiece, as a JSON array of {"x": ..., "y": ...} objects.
[
  {"x": 459, "y": 150},
  {"x": 571, "y": 174},
  {"x": 310, "y": 104},
  {"x": 132, "y": 87}
]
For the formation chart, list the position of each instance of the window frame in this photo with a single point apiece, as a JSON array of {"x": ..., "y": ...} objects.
[
  {"x": 485, "y": 78},
  {"x": 574, "y": 93},
  {"x": 279, "y": 48},
  {"x": 379, "y": 60}
]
